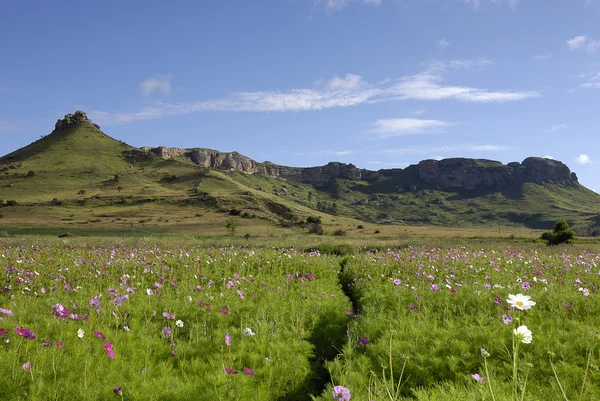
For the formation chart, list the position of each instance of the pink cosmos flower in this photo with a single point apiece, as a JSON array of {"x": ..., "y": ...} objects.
[
  {"x": 478, "y": 378},
  {"x": 341, "y": 393},
  {"x": 6, "y": 312},
  {"x": 229, "y": 371},
  {"x": 25, "y": 332},
  {"x": 27, "y": 367},
  {"x": 228, "y": 339},
  {"x": 118, "y": 391},
  {"x": 506, "y": 319},
  {"x": 109, "y": 349},
  {"x": 99, "y": 335},
  {"x": 3, "y": 332},
  {"x": 249, "y": 371}
]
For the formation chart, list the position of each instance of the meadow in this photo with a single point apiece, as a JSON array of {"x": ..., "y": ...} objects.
[{"x": 137, "y": 321}]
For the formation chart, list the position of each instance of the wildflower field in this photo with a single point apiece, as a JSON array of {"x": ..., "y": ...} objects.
[{"x": 198, "y": 323}]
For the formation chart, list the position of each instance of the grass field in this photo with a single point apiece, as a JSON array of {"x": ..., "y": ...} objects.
[{"x": 159, "y": 318}]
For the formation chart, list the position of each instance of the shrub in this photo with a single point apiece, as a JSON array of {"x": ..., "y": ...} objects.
[
  {"x": 339, "y": 232},
  {"x": 313, "y": 220},
  {"x": 11, "y": 203},
  {"x": 314, "y": 228},
  {"x": 231, "y": 225},
  {"x": 30, "y": 173},
  {"x": 561, "y": 234},
  {"x": 360, "y": 227}
]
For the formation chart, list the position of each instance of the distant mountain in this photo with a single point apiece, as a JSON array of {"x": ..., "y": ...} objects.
[{"x": 77, "y": 163}]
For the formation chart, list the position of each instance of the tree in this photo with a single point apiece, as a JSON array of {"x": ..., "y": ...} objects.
[
  {"x": 231, "y": 225},
  {"x": 561, "y": 234}
]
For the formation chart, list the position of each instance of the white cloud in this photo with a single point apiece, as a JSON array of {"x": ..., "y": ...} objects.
[
  {"x": 542, "y": 57},
  {"x": 391, "y": 127},
  {"x": 447, "y": 149},
  {"x": 584, "y": 42},
  {"x": 477, "y": 3},
  {"x": 442, "y": 43},
  {"x": 558, "y": 127},
  {"x": 549, "y": 157},
  {"x": 593, "y": 81},
  {"x": 349, "y": 90},
  {"x": 348, "y": 83},
  {"x": 583, "y": 159},
  {"x": 340, "y": 4},
  {"x": 158, "y": 83}
]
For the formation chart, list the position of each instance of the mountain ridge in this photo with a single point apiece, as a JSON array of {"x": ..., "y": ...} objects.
[{"x": 78, "y": 164}]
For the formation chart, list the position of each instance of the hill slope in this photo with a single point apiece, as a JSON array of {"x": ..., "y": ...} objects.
[{"x": 77, "y": 165}]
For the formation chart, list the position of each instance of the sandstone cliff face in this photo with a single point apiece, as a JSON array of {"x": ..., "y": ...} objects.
[{"x": 446, "y": 174}]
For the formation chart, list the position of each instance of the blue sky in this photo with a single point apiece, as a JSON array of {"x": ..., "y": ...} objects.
[{"x": 376, "y": 83}]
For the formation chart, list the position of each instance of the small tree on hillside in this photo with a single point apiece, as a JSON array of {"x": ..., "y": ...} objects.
[
  {"x": 561, "y": 234},
  {"x": 231, "y": 226}
]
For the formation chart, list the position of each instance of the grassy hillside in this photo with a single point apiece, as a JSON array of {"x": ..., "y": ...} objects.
[{"x": 80, "y": 176}]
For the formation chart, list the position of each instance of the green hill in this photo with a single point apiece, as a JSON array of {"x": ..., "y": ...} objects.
[{"x": 77, "y": 171}]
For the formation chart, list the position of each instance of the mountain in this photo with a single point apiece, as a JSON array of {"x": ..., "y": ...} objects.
[{"x": 78, "y": 167}]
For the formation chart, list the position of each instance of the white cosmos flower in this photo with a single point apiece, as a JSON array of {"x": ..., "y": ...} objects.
[
  {"x": 248, "y": 332},
  {"x": 80, "y": 333},
  {"x": 179, "y": 323},
  {"x": 523, "y": 334},
  {"x": 520, "y": 301},
  {"x": 149, "y": 291}
]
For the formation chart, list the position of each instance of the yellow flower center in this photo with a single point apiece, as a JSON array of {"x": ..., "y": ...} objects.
[{"x": 519, "y": 303}]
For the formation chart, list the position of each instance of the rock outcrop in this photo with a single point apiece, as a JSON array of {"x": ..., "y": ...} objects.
[
  {"x": 72, "y": 119},
  {"x": 446, "y": 174}
]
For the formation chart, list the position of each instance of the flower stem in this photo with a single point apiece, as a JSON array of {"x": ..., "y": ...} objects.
[{"x": 487, "y": 374}]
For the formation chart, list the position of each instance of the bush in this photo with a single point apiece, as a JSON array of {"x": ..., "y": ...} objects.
[
  {"x": 314, "y": 228},
  {"x": 339, "y": 232},
  {"x": 561, "y": 234},
  {"x": 11, "y": 203},
  {"x": 231, "y": 226},
  {"x": 313, "y": 220}
]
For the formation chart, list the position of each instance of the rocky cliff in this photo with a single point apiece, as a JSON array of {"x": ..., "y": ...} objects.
[
  {"x": 446, "y": 174},
  {"x": 73, "y": 119}
]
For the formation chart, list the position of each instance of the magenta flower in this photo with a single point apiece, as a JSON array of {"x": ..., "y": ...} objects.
[
  {"x": 223, "y": 312},
  {"x": 99, "y": 335},
  {"x": 27, "y": 367},
  {"x": 3, "y": 332},
  {"x": 249, "y": 371},
  {"x": 478, "y": 378},
  {"x": 506, "y": 319},
  {"x": 59, "y": 344},
  {"x": 364, "y": 340},
  {"x": 228, "y": 339},
  {"x": 229, "y": 371},
  {"x": 240, "y": 293},
  {"x": 166, "y": 332},
  {"x": 118, "y": 391},
  {"x": 109, "y": 349},
  {"x": 25, "y": 332},
  {"x": 341, "y": 393},
  {"x": 434, "y": 287},
  {"x": 497, "y": 300},
  {"x": 47, "y": 344},
  {"x": 60, "y": 311},
  {"x": 525, "y": 286},
  {"x": 6, "y": 312}
]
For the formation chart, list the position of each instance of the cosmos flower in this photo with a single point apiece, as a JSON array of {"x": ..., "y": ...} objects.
[
  {"x": 506, "y": 319},
  {"x": 109, "y": 349},
  {"x": 99, "y": 335},
  {"x": 6, "y": 312},
  {"x": 228, "y": 339},
  {"x": 248, "y": 332},
  {"x": 229, "y": 371},
  {"x": 484, "y": 353},
  {"x": 364, "y": 340},
  {"x": 118, "y": 391},
  {"x": 249, "y": 371},
  {"x": 25, "y": 332},
  {"x": 520, "y": 301},
  {"x": 179, "y": 323},
  {"x": 523, "y": 334},
  {"x": 341, "y": 393},
  {"x": 166, "y": 332},
  {"x": 478, "y": 378},
  {"x": 27, "y": 367},
  {"x": 80, "y": 333}
]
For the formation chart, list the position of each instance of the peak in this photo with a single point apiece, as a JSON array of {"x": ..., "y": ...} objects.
[{"x": 72, "y": 119}]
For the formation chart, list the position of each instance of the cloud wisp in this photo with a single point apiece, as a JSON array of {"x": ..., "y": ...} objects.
[
  {"x": 478, "y": 3},
  {"x": 584, "y": 159},
  {"x": 391, "y": 127},
  {"x": 346, "y": 91},
  {"x": 558, "y": 127},
  {"x": 491, "y": 148},
  {"x": 583, "y": 42},
  {"x": 340, "y": 4},
  {"x": 158, "y": 83}
]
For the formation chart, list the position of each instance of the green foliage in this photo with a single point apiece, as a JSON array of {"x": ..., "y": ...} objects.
[
  {"x": 560, "y": 235},
  {"x": 339, "y": 232},
  {"x": 231, "y": 226},
  {"x": 313, "y": 220}
]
